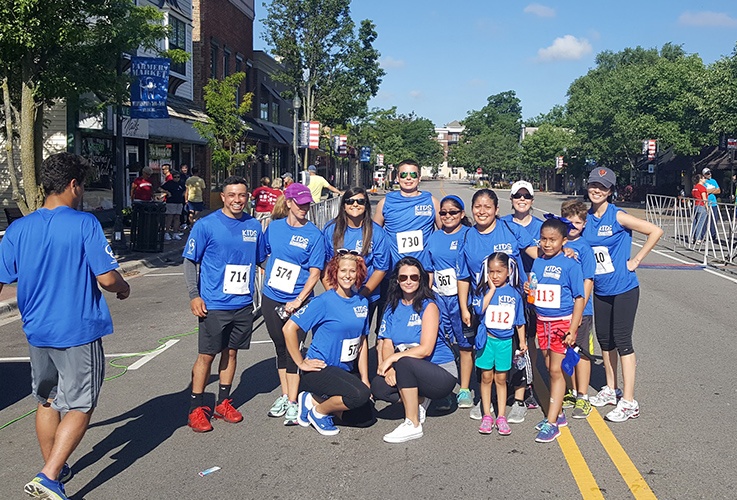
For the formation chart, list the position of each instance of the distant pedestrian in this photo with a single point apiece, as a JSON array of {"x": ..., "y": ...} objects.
[
  {"x": 67, "y": 359},
  {"x": 287, "y": 179},
  {"x": 700, "y": 216},
  {"x": 174, "y": 191},
  {"x": 142, "y": 188},
  {"x": 166, "y": 172},
  {"x": 318, "y": 183},
  {"x": 712, "y": 189},
  {"x": 193, "y": 195},
  {"x": 264, "y": 197}
]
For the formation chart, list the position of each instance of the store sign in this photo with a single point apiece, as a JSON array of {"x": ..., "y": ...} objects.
[
  {"x": 149, "y": 87},
  {"x": 135, "y": 128}
]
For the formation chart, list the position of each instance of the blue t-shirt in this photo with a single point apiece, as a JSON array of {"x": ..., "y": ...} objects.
[
  {"x": 228, "y": 251},
  {"x": 612, "y": 245},
  {"x": 506, "y": 310},
  {"x": 533, "y": 229},
  {"x": 293, "y": 251},
  {"x": 378, "y": 258},
  {"x": 409, "y": 221},
  {"x": 55, "y": 256},
  {"x": 404, "y": 326},
  {"x": 711, "y": 183},
  {"x": 585, "y": 256},
  {"x": 443, "y": 249},
  {"x": 338, "y": 326},
  {"x": 559, "y": 283}
]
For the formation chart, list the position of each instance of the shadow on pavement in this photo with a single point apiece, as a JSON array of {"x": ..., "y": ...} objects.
[{"x": 17, "y": 386}]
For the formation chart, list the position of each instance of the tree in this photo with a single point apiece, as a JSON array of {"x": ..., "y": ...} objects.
[
  {"x": 540, "y": 149},
  {"x": 50, "y": 50},
  {"x": 719, "y": 106},
  {"x": 225, "y": 130}
]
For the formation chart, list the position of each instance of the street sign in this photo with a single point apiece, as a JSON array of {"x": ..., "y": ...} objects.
[
  {"x": 365, "y": 154},
  {"x": 731, "y": 143}
]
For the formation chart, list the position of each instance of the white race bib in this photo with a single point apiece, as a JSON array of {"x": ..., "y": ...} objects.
[
  {"x": 284, "y": 276},
  {"x": 446, "y": 282},
  {"x": 548, "y": 296},
  {"x": 604, "y": 263},
  {"x": 237, "y": 280},
  {"x": 410, "y": 241},
  {"x": 349, "y": 350},
  {"x": 499, "y": 317}
]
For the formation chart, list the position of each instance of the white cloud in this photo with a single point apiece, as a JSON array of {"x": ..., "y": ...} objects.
[
  {"x": 567, "y": 47},
  {"x": 706, "y": 19},
  {"x": 388, "y": 62},
  {"x": 539, "y": 10},
  {"x": 415, "y": 94}
]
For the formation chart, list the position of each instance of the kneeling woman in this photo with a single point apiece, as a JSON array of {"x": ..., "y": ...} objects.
[
  {"x": 418, "y": 364},
  {"x": 338, "y": 319}
]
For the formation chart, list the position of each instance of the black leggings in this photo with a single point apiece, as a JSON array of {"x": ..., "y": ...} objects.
[
  {"x": 614, "y": 316},
  {"x": 274, "y": 326},
  {"x": 431, "y": 380},
  {"x": 334, "y": 381}
]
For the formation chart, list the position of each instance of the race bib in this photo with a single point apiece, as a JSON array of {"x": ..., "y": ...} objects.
[
  {"x": 237, "y": 280},
  {"x": 446, "y": 282},
  {"x": 410, "y": 241},
  {"x": 548, "y": 296},
  {"x": 284, "y": 276},
  {"x": 604, "y": 263},
  {"x": 499, "y": 317},
  {"x": 349, "y": 349}
]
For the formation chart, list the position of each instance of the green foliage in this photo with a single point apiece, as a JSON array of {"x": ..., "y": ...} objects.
[
  {"x": 720, "y": 95},
  {"x": 225, "y": 130},
  {"x": 540, "y": 149}
]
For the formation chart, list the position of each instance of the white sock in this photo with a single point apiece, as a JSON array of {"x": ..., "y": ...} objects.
[
  {"x": 584, "y": 397},
  {"x": 317, "y": 414}
]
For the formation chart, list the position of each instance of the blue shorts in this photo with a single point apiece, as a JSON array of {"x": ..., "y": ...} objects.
[
  {"x": 496, "y": 354},
  {"x": 195, "y": 206},
  {"x": 450, "y": 320}
]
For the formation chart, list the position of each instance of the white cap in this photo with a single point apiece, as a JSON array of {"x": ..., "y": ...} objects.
[{"x": 522, "y": 185}]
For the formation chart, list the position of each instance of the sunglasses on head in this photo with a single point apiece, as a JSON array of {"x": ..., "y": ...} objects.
[
  {"x": 443, "y": 213},
  {"x": 404, "y": 277},
  {"x": 351, "y": 201},
  {"x": 404, "y": 175},
  {"x": 517, "y": 196},
  {"x": 345, "y": 251}
]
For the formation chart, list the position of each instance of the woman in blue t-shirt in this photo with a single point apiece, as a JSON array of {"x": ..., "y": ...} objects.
[
  {"x": 338, "y": 319},
  {"x": 418, "y": 363},
  {"x": 616, "y": 289}
]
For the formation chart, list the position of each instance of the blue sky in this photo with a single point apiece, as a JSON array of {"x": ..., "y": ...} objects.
[{"x": 443, "y": 59}]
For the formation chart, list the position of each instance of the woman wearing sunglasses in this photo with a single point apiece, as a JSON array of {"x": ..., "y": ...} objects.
[{"x": 418, "y": 364}]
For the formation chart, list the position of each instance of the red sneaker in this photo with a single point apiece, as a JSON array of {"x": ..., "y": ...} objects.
[
  {"x": 199, "y": 419},
  {"x": 226, "y": 411}
]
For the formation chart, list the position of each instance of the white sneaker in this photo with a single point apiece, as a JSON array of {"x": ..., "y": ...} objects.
[
  {"x": 606, "y": 396},
  {"x": 405, "y": 432},
  {"x": 516, "y": 413},
  {"x": 422, "y": 410},
  {"x": 175, "y": 236},
  {"x": 625, "y": 410},
  {"x": 475, "y": 413},
  {"x": 167, "y": 237}
]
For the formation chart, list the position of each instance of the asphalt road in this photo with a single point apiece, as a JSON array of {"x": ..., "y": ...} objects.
[{"x": 139, "y": 446}]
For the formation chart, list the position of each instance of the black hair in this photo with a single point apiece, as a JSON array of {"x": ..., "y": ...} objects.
[
  {"x": 696, "y": 178},
  {"x": 195, "y": 170},
  {"x": 465, "y": 220},
  {"x": 58, "y": 170},
  {"x": 341, "y": 221},
  {"x": 409, "y": 161},
  {"x": 232, "y": 180},
  {"x": 514, "y": 275},
  {"x": 485, "y": 192},
  {"x": 556, "y": 225},
  {"x": 424, "y": 292}
]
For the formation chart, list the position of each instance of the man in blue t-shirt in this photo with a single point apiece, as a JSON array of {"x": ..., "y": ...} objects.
[
  {"x": 713, "y": 189},
  {"x": 228, "y": 245},
  {"x": 59, "y": 256}
]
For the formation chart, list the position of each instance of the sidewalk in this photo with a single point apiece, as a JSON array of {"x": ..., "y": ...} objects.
[{"x": 130, "y": 263}]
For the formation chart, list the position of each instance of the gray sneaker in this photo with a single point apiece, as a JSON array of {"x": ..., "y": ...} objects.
[
  {"x": 476, "y": 413},
  {"x": 517, "y": 413},
  {"x": 279, "y": 408},
  {"x": 290, "y": 416},
  {"x": 465, "y": 399}
]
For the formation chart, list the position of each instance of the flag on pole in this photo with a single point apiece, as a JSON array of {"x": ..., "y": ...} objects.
[{"x": 314, "y": 135}]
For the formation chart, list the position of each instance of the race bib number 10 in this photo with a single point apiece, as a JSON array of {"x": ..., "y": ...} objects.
[
  {"x": 604, "y": 263},
  {"x": 410, "y": 241},
  {"x": 284, "y": 276},
  {"x": 237, "y": 279}
]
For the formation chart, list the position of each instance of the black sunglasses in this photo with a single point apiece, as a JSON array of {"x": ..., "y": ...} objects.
[
  {"x": 404, "y": 175},
  {"x": 404, "y": 277},
  {"x": 517, "y": 196},
  {"x": 443, "y": 213},
  {"x": 345, "y": 251},
  {"x": 351, "y": 201}
]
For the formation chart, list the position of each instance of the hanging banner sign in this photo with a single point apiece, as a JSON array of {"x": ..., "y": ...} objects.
[
  {"x": 365, "y": 154},
  {"x": 314, "y": 135},
  {"x": 149, "y": 87},
  {"x": 343, "y": 146}
]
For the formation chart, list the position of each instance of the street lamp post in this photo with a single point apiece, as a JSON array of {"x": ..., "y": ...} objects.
[{"x": 296, "y": 105}]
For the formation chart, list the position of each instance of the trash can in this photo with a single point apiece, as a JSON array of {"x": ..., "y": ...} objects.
[{"x": 147, "y": 226}]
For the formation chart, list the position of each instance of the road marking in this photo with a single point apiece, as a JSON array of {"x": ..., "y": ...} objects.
[
  {"x": 148, "y": 357},
  {"x": 163, "y": 274},
  {"x": 26, "y": 359},
  {"x": 10, "y": 319},
  {"x": 710, "y": 271},
  {"x": 635, "y": 482},
  {"x": 579, "y": 468}
]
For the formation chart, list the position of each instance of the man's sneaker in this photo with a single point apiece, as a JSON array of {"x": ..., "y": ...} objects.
[
  {"x": 465, "y": 400},
  {"x": 167, "y": 237},
  {"x": 582, "y": 408},
  {"x": 531, "y": 402},
  {"x": 406, "y": 431},
  {"x": 199, "y": 419},
  {"x": 290, "y": 416},
  {"x": 176, "y": 236},
  {"x": 560, "y": 422},
  {"x": 43, "y": 487},
  {"x": 548, "y": 433},
  {"x": 476, "y": 413},
  {"x": 323, "y": 425},
  {"x": 569, "y": 400},
  {"x": 305, "y": 404},
  {"x": 502, "y": 426},
  {"x": 606, "y": 396},
  {"x": 444, "y": 404},
  {"x": 487, "y": 425},
  {"x": 625, "y": 410},
  {"x": 65, "y": 474},
  {"x": 517, "y": 413},
  {"x": 227, "y": 412},
  {"x": 279, "y": 408}
]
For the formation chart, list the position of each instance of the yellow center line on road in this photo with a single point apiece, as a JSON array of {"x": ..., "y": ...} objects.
[{"x": 579, "y": 468}]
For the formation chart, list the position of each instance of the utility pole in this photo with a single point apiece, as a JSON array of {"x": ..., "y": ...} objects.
[{"x": 119, "y": 245}]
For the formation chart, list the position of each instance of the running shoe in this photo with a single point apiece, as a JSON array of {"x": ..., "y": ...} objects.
[
  {"x": 531, "y": 402},
  {"x": 65, "y": 474},
  {"x": 502, "y": 427},
  {"x": 422, "y": 410},
  {"x": 548, "y": 433},
  {"x": 279, "y": 408},
  {"x": 625, "y": 410},
  {"x": 517, "y": 413},
  {"x": 199, "y": 419},
  {"x": 167, "y": 237},
  {"x": 290, "y": 416},
  {"x": 305, "y": 404},
  {"x": 606, "y": 396},
  {"x": 487, "y": 424},
  {"x": 227, "y": 412},
  {"x": 43, "y": 487},
  {"x": 465, "y": 399},
  {"x": 406, "y": 431},
  {"x": 444, "y": 404},
  {"x": 582, "y": 408},
  {"x": 323, "y": 425},
  {"x": 569, "y": 400},
  {"x": 476, "y": 413},
  {"x": 560, "y": 422}
]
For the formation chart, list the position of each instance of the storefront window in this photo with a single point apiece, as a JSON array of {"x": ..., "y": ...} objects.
[{"x": 178, "y": 40}]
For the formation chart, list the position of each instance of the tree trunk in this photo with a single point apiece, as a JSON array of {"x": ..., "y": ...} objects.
[
  {"x": 31, "y": 189},
  {"x": 10, "y": 120}
]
